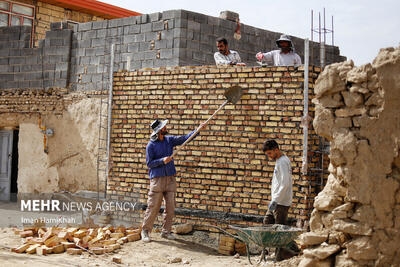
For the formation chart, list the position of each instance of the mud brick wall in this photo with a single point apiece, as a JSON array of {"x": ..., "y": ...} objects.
[{"x": 222, "y": 175}]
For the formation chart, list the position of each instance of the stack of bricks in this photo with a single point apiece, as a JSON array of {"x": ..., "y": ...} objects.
[{"x": 223, "y": 169}]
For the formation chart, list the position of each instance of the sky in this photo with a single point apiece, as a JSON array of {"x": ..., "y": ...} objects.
[{"x": 361, "y": 27}]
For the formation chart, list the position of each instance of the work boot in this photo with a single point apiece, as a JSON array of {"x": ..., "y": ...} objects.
[
  {"x": 169, "y": 236},
  {"x": 145, "y": 236}
]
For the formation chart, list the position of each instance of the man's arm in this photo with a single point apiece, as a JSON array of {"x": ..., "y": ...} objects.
[
  {"x": 220, "y": 59},
  {"x": 177, "y": 141},
  {"x": 150, "y": 160}
]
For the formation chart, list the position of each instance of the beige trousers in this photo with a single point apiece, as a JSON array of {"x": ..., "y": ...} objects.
[{"x": 160, "y": 187}]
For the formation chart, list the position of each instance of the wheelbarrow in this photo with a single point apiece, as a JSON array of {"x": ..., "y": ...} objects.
[{"x": 273, "y": 235}]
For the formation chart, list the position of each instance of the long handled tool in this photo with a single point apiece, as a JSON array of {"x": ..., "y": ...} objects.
[{"x": 232, "y": 94}]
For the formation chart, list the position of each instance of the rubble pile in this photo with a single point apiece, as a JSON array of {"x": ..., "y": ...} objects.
[
  {"x": 356, "y": 218},
  {"x": 73, "y": 240}
]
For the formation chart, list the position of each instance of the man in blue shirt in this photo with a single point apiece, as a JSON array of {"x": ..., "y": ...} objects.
[{"x": 162, "y": 178}]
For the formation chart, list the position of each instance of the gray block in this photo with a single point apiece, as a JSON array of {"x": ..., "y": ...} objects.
[
  {"x": 193, "y": 45},
  {"x": 128, "y": 39},
  {"x": 129, "y": 20},
  {"x": 98, "y": 42},
  {"x": 144, "y": 46},
  {"x": 85, "y": 26},
  {"x": 16, "y": 60},
  {"x": 103, "y": 24},
  {"x": 179, "y": 43},
  {"x": 101, "y": 33},
  {"x": 158, "y": 26},
  {"x": 100, "y": 51},
  {"x": 170, "y": 14},
  {"x": 62, "y": 83},
  {"x": 206, "y": 29},
  {"x": 89, "y": 35},
  {"x": 36, "y": 84},
  {"x": 150, "y": 55},
  {"x": 193, "y": 25},
  {"x": 147, "y": 27},
  {"x": 115, "y": 23},
  {"x": 5, "y": 68},
  {"x": 149, "y": 36},
  {"x": 90, "y": 52},
  {"x": 12, "y": 84},
  {"x": 97, "y": 77},
  {"x": 26, "y": 68},
  {"x": 155, "y": 16},
  {"x": 143, "y": 18},
  {"x": 133, "y": 29},
  {"x": 4, "y": 77},
  {"x": 133, "y": 47},
  {"x": 200, "y": 56},
  {"x": 138, "y": 56},
  {"x": 136, "y": 64},
  {"x": 181, "y": 23},
  {"x": 56, "y": 42},
  {"x": 148, "y": 64},
  {"x": 84, "y": 60},
  {"x": 166, "y": 53},
  {"x": 62, "y": 66},
  {"x": 4, "y": 52},
  {"x": 167, "y": 34},
  {"x": 95, "y": 60},
  {"x": 23, "y": 84}
]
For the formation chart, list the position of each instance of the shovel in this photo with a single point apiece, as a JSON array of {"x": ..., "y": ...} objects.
[{"x": 232, "y": 94}]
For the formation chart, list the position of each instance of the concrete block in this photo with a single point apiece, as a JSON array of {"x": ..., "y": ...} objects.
[
  {"x": 101, "y": 33},
  {"x": 206, "y": 29},
  {"x": 98, "y": 42},
  {"x": 133, "y": 48},
  {"x": 128, "y": 39},
  {"x": 147, "y": 27},
  {"x": 167, "y": 34},
  {"x": 62, "y": 66},
  {"x": 143, "y": 19},
  {"x": 36, "y": 84},
  {"x": 85, "y": 26},
  {"x": 133, "y": 29},
  {"x": 5, "y": 77},
  {"x": 56, "y": 42},
  {"x": 200, "y": 56},
  {"x": 129, "y": 20},
  {"x": 61, "y": 83},
  {"x": 139, "y": 37},
  {"x": 193, "y": 45},
  {"x": 155, "y": 16},
  {"x": 115, "y": 23},
  {"x": 150, "y": 55},
  {"x": 197, "y": 17},
  {"x": 89, "y": 35},
  {"x": 5, "y": 52},
  {"x": 170, "y": 14},
  {"x": 193, "y": 25},
  {"x": 144, "y": 46},
  {"x": 84, "y": 60},
  {"x": 95, "y": 60},
  {"x": 103, "y": 24},
  {"x": 166, "y": 53},
  {"x": 179, "y": 43},
  {"x": 149, "y": 36},
  {"x": 99, "y": 51},
  {"x": 148, "y": 64},
  {"x": 11, "y": 84},
  {"x": 26, "y": 68},
  {"x": 23, "y": 84},
  {"x": 16, "y": 60},
  {"x": 90, "y": 52},
  {"x": 138, "y": 56},
  {"x": 158, "y": 26},
  {"x": 5, "y": 68}
]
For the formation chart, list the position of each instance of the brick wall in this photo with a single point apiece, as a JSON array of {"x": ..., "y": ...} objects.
[{"x": 223, "y": 173}]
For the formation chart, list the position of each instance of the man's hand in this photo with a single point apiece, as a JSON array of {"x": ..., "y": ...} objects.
[
  {"x": 272, "y": 205},
  {"x": 167, "y": 159},
  {"x": 260, "y": 56}
]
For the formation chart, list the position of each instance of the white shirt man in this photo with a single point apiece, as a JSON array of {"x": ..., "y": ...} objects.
[
  {"x": 285, "y": 56},
  {"x": 224, "y": 56}
]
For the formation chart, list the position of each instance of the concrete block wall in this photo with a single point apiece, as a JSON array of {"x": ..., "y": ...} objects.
[
  {"x": 82, "y": 62},
  {"x": 223, "y": 173},
  {"x": 43, "y": 67}
]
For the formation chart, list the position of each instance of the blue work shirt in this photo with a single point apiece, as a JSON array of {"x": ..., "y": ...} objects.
[{"x": 157, "y": 150}]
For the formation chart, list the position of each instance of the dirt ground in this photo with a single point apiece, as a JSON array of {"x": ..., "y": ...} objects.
[{"x": 189, "y": 250}]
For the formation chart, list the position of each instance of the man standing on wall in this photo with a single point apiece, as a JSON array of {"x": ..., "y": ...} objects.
[
  {"x": 281, "y": 192},
  {"x": 285, "y": 56},
  {"x": 162, "y": 178},
  {"x": 226, "y": 56}
]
